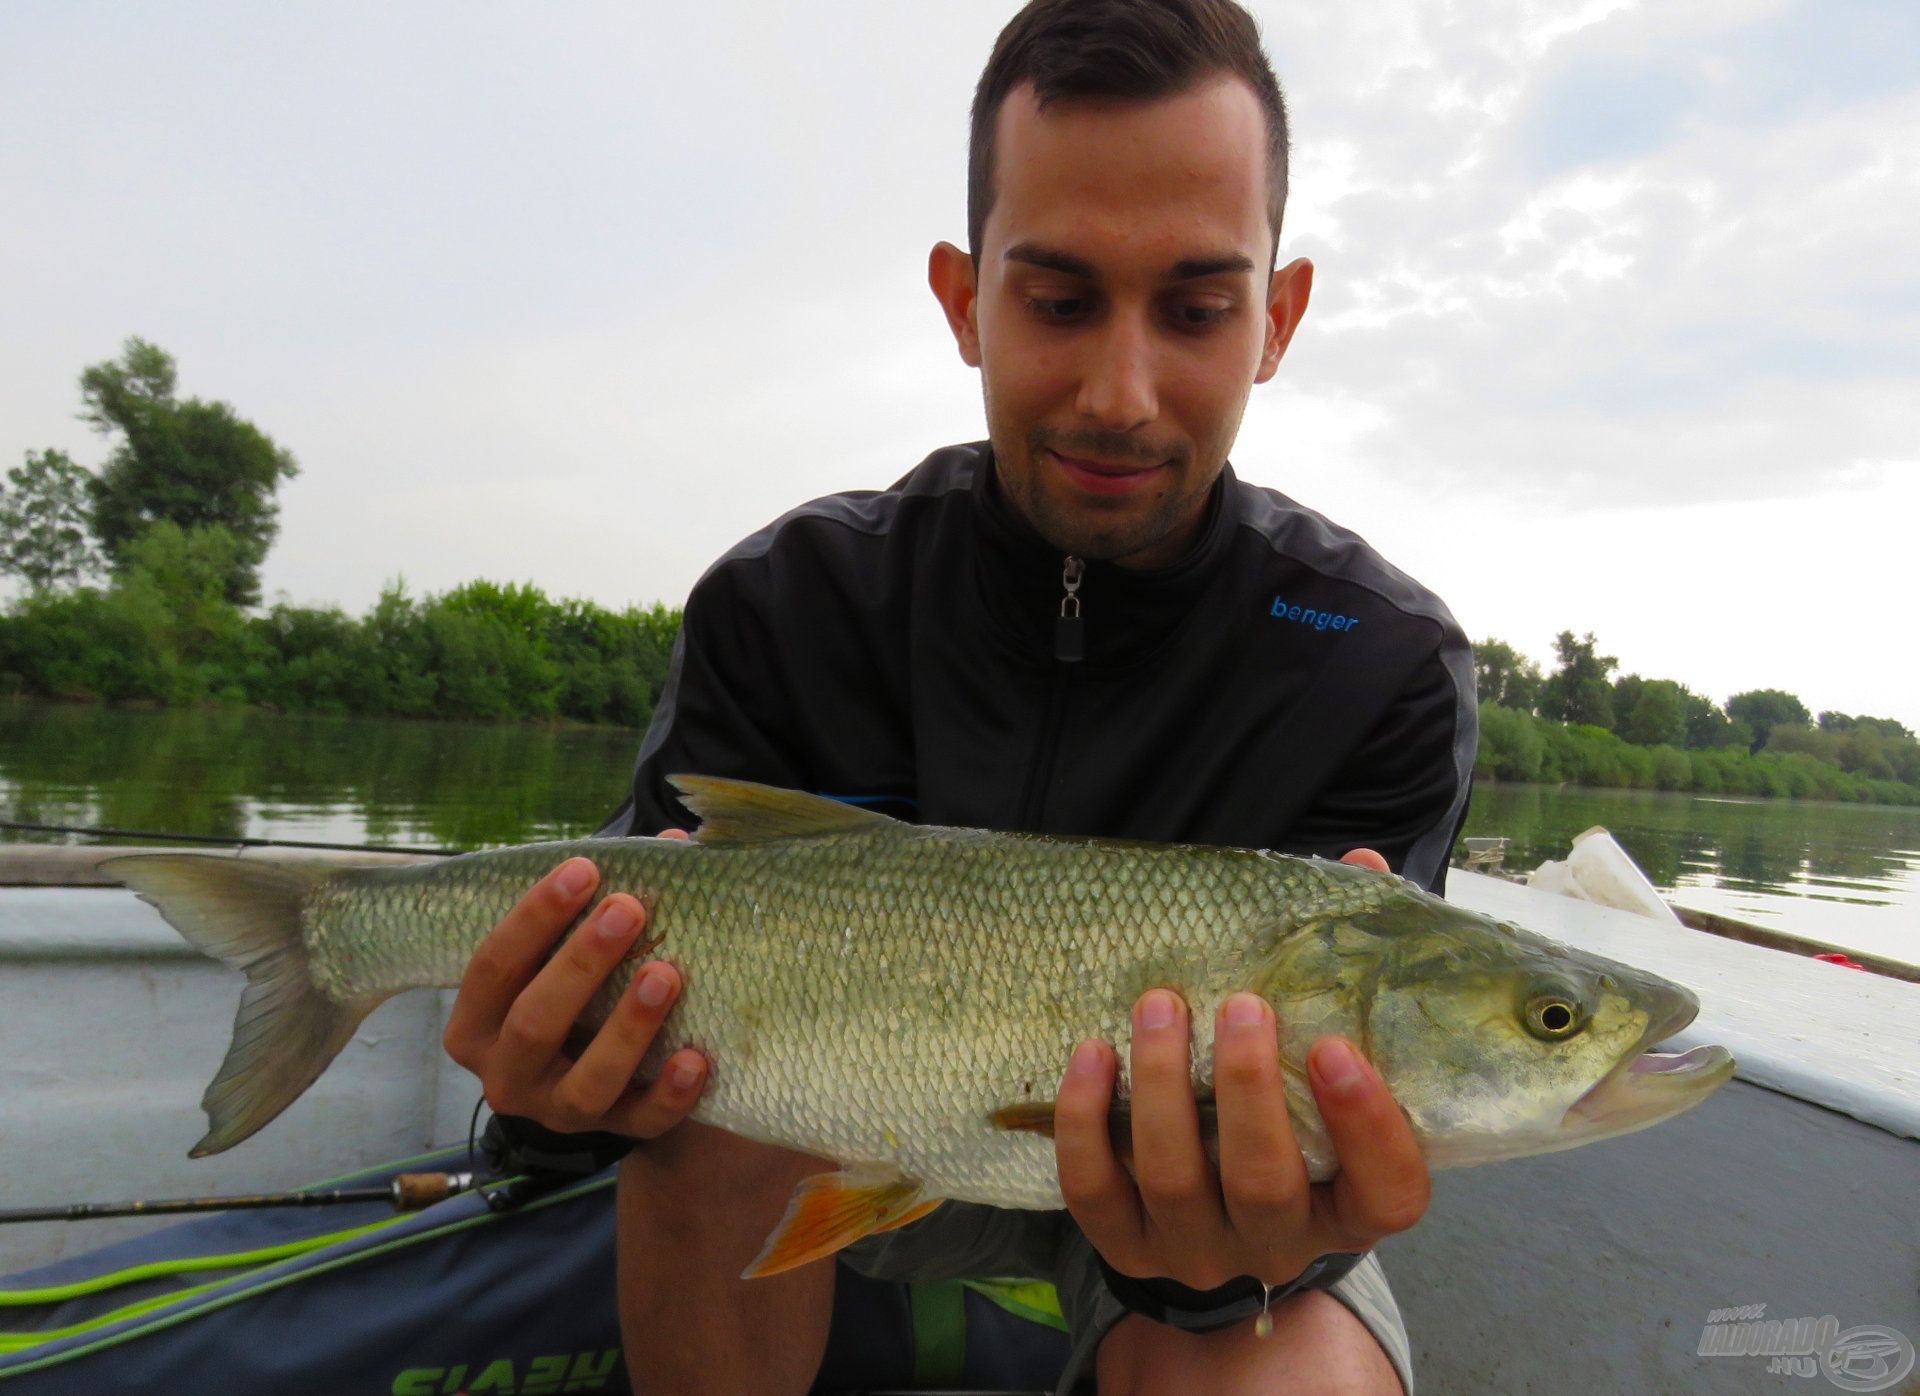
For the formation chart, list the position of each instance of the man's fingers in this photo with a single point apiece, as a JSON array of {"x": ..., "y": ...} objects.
[
  {"x": 1167, "y": 1158},
  {"x": 604, "y": 1073},
  {"x": 1178, "y": 1188},
  {"x": 665, "y": 1103},
  {"x": 1366, "y": 858},
  {"x": 1263, "y": 1178},
  {"x": 540, "y": 1019},
  {"x": 1382, "y": 1186},
  {"x": 1097, "y": 1189},
  {"x": 512, "y": 951}
]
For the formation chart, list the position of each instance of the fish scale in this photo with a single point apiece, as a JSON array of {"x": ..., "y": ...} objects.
[
  {"x": 903, "y": 999},
  {"x": 865, "y": 1016}
]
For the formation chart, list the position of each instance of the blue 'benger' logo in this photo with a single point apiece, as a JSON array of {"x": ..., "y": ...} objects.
[{"x": 1306, "y": 615}]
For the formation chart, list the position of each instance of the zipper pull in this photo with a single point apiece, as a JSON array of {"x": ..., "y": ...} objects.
[{"x": 1069, "y": 643}]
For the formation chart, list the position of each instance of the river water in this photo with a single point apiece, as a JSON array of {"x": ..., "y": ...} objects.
[{"x": 1845, "y": 874}]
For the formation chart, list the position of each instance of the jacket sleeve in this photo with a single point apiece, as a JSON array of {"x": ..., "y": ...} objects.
[{"x": 719, "y": 713}]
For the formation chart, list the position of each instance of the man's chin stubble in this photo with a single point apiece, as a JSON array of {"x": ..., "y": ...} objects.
[{"x": 1075, "y": 535}]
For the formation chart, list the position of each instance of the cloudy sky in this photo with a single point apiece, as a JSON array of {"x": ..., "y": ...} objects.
[{"x": 1616, "y": 324}]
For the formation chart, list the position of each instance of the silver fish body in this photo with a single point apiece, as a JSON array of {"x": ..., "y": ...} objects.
[{"x": 890, "y": 996}]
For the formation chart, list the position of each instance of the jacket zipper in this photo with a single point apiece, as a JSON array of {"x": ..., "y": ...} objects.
[{"x": 1068, "y": 649}]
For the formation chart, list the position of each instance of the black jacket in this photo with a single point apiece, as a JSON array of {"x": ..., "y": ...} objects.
[{"x": 1282, "y": 687}]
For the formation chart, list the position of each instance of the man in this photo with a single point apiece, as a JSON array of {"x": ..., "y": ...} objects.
[{"x": 1083, "y": 625}]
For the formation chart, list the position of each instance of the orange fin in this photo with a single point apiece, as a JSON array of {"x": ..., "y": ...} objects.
[
  {"x": 1036, "y": 1117},
  {"x": 831, "y": 1210},
  {"x": 1032, "y": 1116},
  {"x": 924, "y": 1209}
]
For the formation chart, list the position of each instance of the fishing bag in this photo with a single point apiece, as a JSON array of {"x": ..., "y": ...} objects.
[{"x": 354, "y": 1300}]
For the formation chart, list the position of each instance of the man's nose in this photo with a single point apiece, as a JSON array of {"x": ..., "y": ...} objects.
[{"x": 1116, "y": 385}]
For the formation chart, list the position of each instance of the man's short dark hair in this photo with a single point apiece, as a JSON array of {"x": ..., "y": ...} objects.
[{"x": 1136, "y": 50}]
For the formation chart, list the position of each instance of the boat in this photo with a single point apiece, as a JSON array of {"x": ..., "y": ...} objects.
[{"x": 1649, "y": 1263}]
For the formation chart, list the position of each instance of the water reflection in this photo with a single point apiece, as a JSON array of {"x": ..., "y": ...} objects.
[
  {"x": 1847, "y": 874},
  {"x": 456, "y": 785},
  {"x": 1843, "y": 873}
]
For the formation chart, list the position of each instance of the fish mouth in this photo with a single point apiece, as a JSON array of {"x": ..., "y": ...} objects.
[{"x": 1647, "y": 1087}]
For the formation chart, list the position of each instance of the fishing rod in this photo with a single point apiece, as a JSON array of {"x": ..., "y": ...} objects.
[
  {"x": 509, "y": 1183},
  {"x": 220, "y": 840},
  {"x": 406, "y": 1192}
]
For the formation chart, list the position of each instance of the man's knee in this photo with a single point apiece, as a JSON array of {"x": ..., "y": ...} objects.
[
  {"x": 696, "y": 1179},
  {"x": 1317, "y": 1347}
]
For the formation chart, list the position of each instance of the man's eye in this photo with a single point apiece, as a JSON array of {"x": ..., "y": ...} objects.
[
  {"x": 1057, "y": 309},
  {"x": 1196, "y": 316}
]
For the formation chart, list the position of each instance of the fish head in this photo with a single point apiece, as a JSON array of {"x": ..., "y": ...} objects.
[{"x": 1500, "y": 1043}]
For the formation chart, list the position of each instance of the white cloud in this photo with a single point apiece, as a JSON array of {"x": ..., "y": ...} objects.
[{"x": 1616, "y": 317}]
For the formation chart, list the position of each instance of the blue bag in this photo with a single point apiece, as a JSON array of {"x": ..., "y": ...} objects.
[{"x": 354, "y": 1300}]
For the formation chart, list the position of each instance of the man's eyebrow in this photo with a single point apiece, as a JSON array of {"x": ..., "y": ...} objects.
[
  {"x": 1193, "y": 268},
  {"x": 1034, "y": 255},
  {"x": 1067, "y": 264}
]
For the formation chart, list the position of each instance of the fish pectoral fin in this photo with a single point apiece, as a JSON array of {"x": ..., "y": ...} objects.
[
  {"x": 740, "y": 811},
  {"x": 1036, "y": 1117},
  {"x": 831, "y": 1210},
  {"x": 1029, "y": 1116}
]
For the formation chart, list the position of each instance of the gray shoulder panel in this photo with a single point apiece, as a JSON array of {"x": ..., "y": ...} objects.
[
  {"x": 868, "y": 511},
  {"x": 1313, "y": 540}
]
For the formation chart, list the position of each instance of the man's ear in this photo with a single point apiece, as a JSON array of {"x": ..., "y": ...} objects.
[
  {"x": 1287, "y": 294},
  {"x": 950, "y": 274}
]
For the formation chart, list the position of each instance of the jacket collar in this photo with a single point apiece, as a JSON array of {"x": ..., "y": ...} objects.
[{"x": 1126, "y": 612}]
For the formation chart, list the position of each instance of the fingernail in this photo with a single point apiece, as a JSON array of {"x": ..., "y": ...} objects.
[
  {"x": 1157, "y": 1010},
  {"x": 1338, "y": 1064},
  {"x": 1086, "y": 1060},
  {"x": 653, "y": 990},
  {"x": 576, "y": 875},
  {"x": 685, "y": 1074},
  {"x": 617, "y": 921},
  {"x": 1245, "y": 1011}
]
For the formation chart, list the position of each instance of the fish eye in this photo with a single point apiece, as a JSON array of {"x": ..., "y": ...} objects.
[{"x": 1553, "y": 1016}]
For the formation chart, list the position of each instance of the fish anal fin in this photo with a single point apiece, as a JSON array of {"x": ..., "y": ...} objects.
[
  {"x": 743, "y": 811},
  {"x": 913, "y": 1214},
  {"x": 831, "y": 1210}
]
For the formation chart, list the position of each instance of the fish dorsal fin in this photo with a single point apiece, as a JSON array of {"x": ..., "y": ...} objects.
[{"x": 741, "y": 811}]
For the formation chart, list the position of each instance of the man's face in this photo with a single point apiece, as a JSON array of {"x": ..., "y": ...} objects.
[{"x": 1121, "y": 311}]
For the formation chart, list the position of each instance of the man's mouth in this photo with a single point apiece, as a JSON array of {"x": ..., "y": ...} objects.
[{"x": 1106, "y": 477}]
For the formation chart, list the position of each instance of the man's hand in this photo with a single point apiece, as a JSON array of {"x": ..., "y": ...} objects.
[
  {"x": 515, "y": 1008},
  {"x": 1258, "y": 1215}
]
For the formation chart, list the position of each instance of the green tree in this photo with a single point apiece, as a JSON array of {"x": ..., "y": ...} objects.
[
  {"x": 183, "y": 461},
  {"x": 1708, "y": 725},
  {"x": 1505, "y": 677},
  {"x": 1658, "y": 716},
  {"x": 1579, "y": 691},
  {"x": 1764, "y": 709},
  {"x": 1885, "y": 726},
  {"x": 46, "y": 522}
]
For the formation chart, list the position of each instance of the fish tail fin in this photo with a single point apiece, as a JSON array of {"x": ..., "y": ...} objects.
[{"x": 248, "y": 915}]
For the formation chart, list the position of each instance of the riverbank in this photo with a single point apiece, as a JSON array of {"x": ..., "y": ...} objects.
[
  {"x": 482, "y": 651},
  {"x": 1524, "y": 748}
]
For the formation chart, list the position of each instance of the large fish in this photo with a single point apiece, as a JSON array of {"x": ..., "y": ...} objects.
[{"x": 902, "y": 999}]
